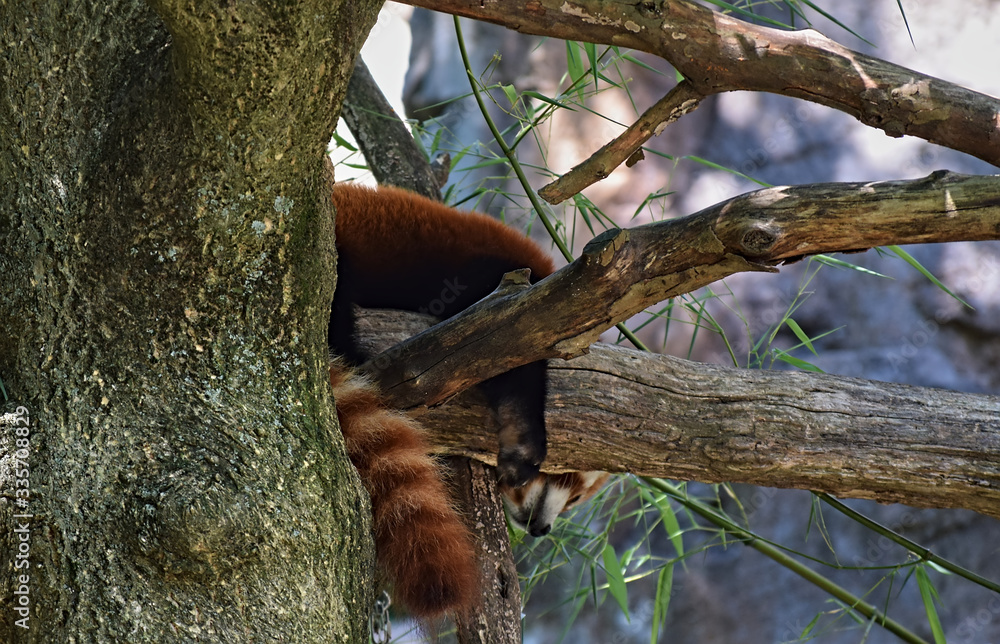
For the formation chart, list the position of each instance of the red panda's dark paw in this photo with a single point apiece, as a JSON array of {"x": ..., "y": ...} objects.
[{"x": 515, "y": 468}]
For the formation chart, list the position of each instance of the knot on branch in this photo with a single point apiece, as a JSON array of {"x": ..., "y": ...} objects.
[
  {"x": 186, "y": 529},
  {"x": 602, "y": 249},
  {"x": 758, "y": 240}
]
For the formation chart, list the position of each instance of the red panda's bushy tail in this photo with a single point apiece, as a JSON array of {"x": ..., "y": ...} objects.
[{"x": 423, "y": 548}]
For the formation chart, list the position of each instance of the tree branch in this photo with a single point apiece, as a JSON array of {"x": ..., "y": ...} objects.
[
  {"x": 666, "y": 417},
  {"x": 498, "y": 617},
  {"x": 621, "y": 272},
  {"x": 679, "y": 101},
  {"x": 392, "y": 155},
  {"x": 626, "y": 411},
  {"x": 718, "y": 53}
]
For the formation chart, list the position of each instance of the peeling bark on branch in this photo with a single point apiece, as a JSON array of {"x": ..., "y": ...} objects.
[
  {"x": 625, "y": 411},
  {"x": 621, "y": 272},
  {"x": 717, "y": 53}
]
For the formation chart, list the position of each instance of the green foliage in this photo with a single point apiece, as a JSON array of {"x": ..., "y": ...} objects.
[
  {"x": 929, "y": 595},
  {"x": 909, "y": 259}
]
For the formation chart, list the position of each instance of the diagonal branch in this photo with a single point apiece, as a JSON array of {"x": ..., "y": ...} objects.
[
  {"x": 387, "y": 145},
  {"x": 622, "y": 272},
  {"x": 718, "y": 53},
  {"x": 678, "y": 102}
]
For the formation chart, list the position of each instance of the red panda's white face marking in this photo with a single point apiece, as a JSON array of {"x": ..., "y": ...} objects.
[{"x": 533, "y": 507}]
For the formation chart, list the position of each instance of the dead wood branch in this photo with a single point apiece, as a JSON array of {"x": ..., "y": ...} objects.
[
  {"x": 622, "y": 272},
  {"x": 625, "y": 411},
  {"x": 718, "y": 53},
  {"x": 679, "y": 101}
]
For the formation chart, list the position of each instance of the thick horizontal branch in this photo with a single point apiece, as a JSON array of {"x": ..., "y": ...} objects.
[
  {"x": 622, "y": 272},
  {"x": 718, "y": 53},
  {"x": 624, "y": 411}
]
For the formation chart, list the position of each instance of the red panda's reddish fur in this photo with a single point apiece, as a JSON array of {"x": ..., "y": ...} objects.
[
  {"x": 409, "y": 229},
  {"x": 394, "y": 249},
  {"x": 423, "y": 548}
]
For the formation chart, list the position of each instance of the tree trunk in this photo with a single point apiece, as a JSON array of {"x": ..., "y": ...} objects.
[{"x": 168, "y": 266}]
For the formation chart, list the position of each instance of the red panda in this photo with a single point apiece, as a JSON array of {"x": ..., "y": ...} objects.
[
  {"x": 422, "y": 547},
  {"x": 536, "y": 505},
  {"x": 399, "y": 250}
]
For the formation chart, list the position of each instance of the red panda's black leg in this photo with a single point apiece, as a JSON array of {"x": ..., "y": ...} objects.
[
  {"x": 518, "y": 401},
  {"x": 440, "y": 285},
  {"x": 342, "y": 315}
]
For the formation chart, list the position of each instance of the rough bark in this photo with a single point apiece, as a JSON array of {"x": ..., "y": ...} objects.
[
  {"x": 498, "y": 618},
  {"x": 392, "y": 155},
  {"x": 624, "y": 411},
  {"x": 168, "y": 268},
  {"x": 718, "y": 53},
  {"x": 621, "y": 272}
]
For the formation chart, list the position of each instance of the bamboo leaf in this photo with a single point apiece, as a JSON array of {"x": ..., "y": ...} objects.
[
  {"x": 664, "y": 588},
  {"x": 928, "y": 593},
  {"x": 616, "y": 580}
]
